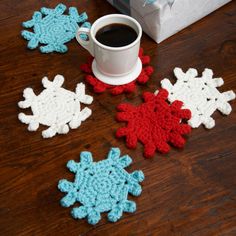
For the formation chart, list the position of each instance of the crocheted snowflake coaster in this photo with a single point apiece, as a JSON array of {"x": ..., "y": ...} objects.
[
  {"x": 101, "y": 187},
  {"x": 55, "y": 107},
  {"x": 155, "y": 123},
  {"x": 53, "y": 28},
  {"x": 200, "y": 95},
  {"x": 100, "y": 87}
]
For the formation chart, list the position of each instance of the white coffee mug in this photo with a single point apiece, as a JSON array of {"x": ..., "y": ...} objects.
[{"x": 113, "y": 65}]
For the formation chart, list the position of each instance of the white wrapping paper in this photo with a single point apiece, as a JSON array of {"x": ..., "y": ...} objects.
[{"x": 164, "y": 18}]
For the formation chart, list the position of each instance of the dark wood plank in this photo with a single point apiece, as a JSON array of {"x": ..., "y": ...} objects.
[{"x": 187, "y": 192}]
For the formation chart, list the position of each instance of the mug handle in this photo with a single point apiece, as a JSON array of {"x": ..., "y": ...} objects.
[{"x": 88, "y": 45}]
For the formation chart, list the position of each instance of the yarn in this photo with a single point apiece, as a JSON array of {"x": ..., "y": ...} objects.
[
  {"x": 155, "y": 123},
  {"x": 101, "y": 186},
  {"x": 55, "y": 107},
  {"x": 200, "y": 95},
  {"x": 100, "y": 87},
  {"x": 53, "y": 28}
]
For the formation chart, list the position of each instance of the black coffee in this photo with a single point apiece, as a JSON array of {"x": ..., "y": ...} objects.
[{"x": 116, "y": 35}]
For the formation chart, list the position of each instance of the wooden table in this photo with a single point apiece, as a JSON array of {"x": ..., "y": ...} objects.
[{"x": 187, "y": 192}]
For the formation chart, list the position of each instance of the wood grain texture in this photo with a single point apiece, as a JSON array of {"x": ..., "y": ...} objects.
[{"x": 187, "y": 192}]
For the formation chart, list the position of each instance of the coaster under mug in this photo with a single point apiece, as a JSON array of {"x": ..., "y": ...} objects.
[
  {"x": 100, "y": 87},
  {"x": 117, "y": 80}
]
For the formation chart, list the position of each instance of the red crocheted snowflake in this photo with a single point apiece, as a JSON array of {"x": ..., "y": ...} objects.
[
  {"x": 100, "y": 87},
  {"x": 155, "y": 123}
]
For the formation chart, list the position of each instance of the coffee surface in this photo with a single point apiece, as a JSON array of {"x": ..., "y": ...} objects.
[{"x": 116, "y": 35}]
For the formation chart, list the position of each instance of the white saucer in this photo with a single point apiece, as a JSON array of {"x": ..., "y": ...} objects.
[{"x": 117, "y": 80}]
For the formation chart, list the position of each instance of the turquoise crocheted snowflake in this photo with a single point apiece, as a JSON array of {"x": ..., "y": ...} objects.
[
  {"x": 53, "y": 29},
  {"x": 101, "y": 187}
]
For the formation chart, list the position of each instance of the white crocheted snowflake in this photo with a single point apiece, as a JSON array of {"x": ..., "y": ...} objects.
[
  {"x": 200, "y": 95},
  {"x": 55, "y": 107}
]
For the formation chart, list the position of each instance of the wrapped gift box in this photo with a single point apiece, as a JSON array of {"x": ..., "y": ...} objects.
[{"x": 162, "y": 18}]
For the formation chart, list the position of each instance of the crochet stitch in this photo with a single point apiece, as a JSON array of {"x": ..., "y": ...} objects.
[
  {"x": 100, "y": 87},
  {"x": 53, "y": 28},
  {"x": 199, "y": 94},
  {"x": 101, "y": 187},
  {"x": 155, "y": 123},
  {"x": 55, "y": 107}
]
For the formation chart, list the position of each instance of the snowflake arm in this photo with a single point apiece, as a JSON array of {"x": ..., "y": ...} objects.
[
  {"x": 56, "y": 83},
  {"x": 33, "y": 40},
  {"x": 70, "y": 188},
  {"x": 29, "y": 96},
  {"x": 190, "y": 74},
  {"x": 101, "y": 187},
  {"x": 57, "y": 48},
  {"x": 55, "y": 129},
  {"x": 37, "y": 17},
  {"x": 78, "y": 18},
  {"x": 225, "y": 107},
  {"x": 59, "y": 10},
  {"x": 30, "y": 120},
  {"x": 178, "y": 112},
  {"x": 126, "y": 112},
  {"x": 81, "y": 96}
]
